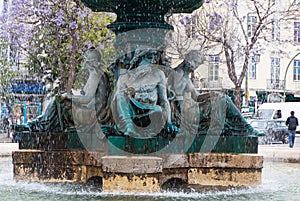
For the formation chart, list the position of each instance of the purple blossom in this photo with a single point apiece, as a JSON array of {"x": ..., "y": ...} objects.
[
  {"x": 187, "y": 19},
  {"x": 182, "y": 21},
  {"x": 73, "y": 25},
  {"x": 198, "y": 38},
  {"x": 211, "y": 25},
  {"x": 112, "y": 15},
  {"x": 90, "y": 45},
  {"x": 69, "y": 47},
  {"x": 59, "y": 20},
  {"x": 4, "y": 35},
  {"x": 84, "y": 13},
  {"x": 233, "y": 5},
  {"x": 78, "y": 10},
  {"x": 100, "y": 46}
]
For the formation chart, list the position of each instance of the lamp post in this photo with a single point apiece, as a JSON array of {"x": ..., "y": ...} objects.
[
  {"x": 286, "y": 70},
  {"x": 246, "y": 90}
]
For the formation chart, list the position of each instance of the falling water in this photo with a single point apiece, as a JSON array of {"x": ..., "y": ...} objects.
[{"x": 280, "y": 181}]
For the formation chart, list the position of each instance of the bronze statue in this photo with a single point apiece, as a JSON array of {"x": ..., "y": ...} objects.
[
  {"x": 202, "y": 113},
  {"x": 140, "y": 106},
  {"x": 85, "y": 112},
  {"x": 185, "y": 109},
  {"x": 88, "y": 110}
]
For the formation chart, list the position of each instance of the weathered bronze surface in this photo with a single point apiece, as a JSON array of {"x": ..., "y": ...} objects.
[
  {"x": 83, "y": 113},
  {"x": 144, "y": 118},
  {"x": 144, "y": 6},
  {"x": 152, "y": 105},
  {"x": 139, "y": 14},
  {"x": 192, "y": 138}
]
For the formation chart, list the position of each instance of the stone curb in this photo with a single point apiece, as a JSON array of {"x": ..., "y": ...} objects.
[
  {"x": 271, "y": 153},
  {"x": 6, "y": 149},
  {"x": 279, "y": 153}
]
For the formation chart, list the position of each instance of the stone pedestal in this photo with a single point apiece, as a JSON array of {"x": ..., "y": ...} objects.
[
  {"x": 56, "y": 166},
  {"x": 139, "y": 173},
  {"x": 131, "y": 174},
  {"x": 225, "y": 169}
]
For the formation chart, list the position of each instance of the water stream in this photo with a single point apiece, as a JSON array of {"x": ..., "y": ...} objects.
[{"x": 280, "y": 181}]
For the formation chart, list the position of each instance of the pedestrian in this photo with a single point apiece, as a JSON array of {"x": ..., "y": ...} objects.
[{"x": 292, "y": 123}]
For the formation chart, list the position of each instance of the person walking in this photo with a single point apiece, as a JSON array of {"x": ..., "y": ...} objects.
[{"x": 292, "y": 123}]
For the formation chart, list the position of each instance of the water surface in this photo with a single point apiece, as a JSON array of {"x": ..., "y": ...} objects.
[{"x": 280, "y": 181}]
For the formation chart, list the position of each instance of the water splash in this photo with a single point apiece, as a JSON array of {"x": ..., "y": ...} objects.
[{"x": 280, "y": 182}]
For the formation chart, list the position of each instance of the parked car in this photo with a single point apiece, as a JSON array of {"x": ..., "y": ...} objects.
[
  {"x": 275, "y": 131},
  {"x": 278, "y": 111}
]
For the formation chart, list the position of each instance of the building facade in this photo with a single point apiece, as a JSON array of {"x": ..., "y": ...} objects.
[
  {"x": 274, "y": 68},
  {"x": 273, "y": 73}
]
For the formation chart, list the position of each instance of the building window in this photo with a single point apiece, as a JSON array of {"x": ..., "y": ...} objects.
[
  {"x": 275, "y": 72},
  {"x": 275, "y": 30},
  {"x": 251, "y": 24},
  {"x": 297, "y": 32},
  {"x": 252, "y": 68},
  {"x": 213, "y": 71},
  {"x": 296, "y": 70}
]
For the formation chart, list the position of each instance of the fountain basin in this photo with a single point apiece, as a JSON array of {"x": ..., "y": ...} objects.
[
  {"x": 140, "y": 14},
  {"x": 139, "y": 173},
  {"x": 143, "y": 6}
]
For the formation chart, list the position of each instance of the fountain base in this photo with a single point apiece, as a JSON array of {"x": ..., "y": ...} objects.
[{"x": 139, "y": 173}]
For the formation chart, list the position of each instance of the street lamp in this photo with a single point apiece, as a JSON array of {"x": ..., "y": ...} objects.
[{"x": 286, "y": 70}]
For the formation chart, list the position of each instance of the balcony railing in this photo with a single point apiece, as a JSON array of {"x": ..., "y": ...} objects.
[
  {"x": 297, "y": 86},
  {"x": 205, "y": 83},
  {"x": 275, "y": 84}
]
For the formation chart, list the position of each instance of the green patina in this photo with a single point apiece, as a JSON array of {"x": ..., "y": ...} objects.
[
  {"x": 144, "y": 6},
  {"x": 188, "y": 122},
  {"x": 138, "y": 14}
]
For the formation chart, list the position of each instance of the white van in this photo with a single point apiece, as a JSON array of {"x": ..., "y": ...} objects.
[{"x": 279, "y": 111}]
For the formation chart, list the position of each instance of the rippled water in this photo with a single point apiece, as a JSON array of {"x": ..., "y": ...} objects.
[{"x": 281, "y": 181}]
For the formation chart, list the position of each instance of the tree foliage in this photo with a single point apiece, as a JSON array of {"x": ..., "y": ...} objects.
[
  {"x": 54, "y": 34},
  {"x": 223, "y": 24},
  {"x": 6, "y": 72}
]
